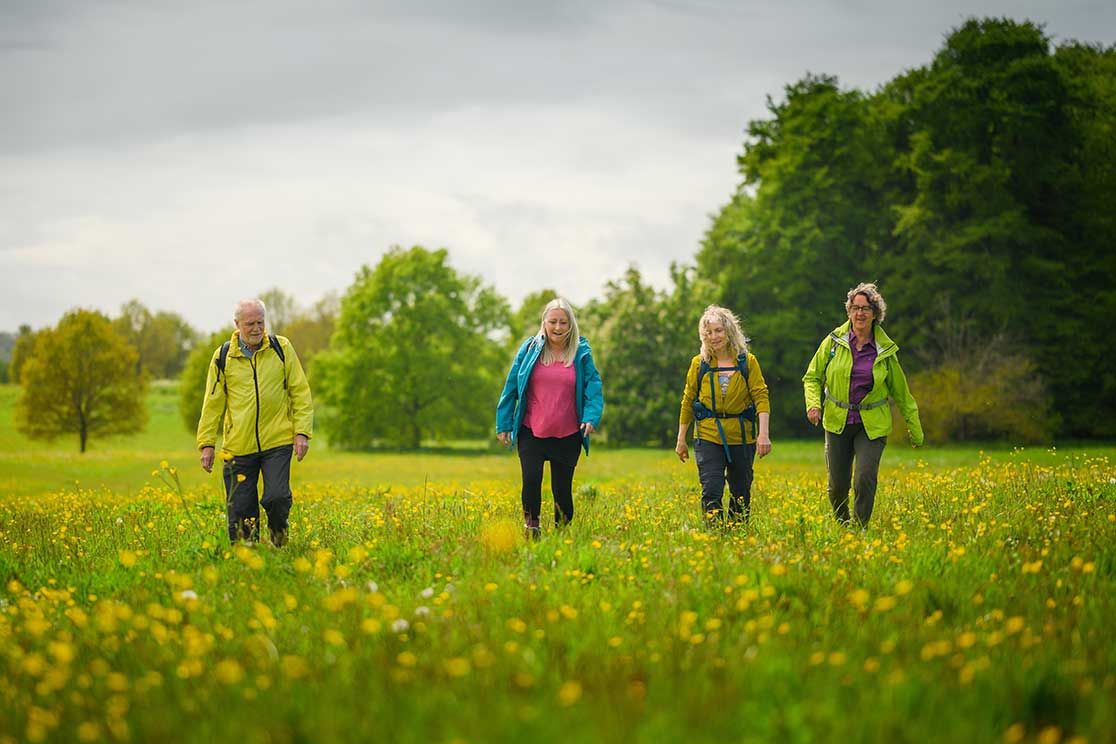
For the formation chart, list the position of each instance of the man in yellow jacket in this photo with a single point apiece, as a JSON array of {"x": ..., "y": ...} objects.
[{"x": 256, "y": 385}]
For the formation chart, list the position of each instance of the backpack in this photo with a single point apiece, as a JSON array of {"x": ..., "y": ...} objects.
[
  {"x": 702, "y": 411},
  {"x": 224, "y": 355}
]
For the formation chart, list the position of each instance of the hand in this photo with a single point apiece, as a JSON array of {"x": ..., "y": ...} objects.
[
  {"x": 301, "y": 446},
  {"x": 587, "y": 429},
  {"x": 814, "y": 414},
  {"x": 682, "y": 450},
  {"x": 504, "y": 437},
  {"x": 207, "y": 459},
  {"x": 763, "y": 445}
]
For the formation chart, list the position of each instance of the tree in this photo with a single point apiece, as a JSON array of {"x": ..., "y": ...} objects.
[
  {"x": 643, "y": 341},
  {"x": 162, "y": 340},
  {"x": 804, "y": 225},
  {"x": 310, "y": 331},
  {"x": 282, "y": 309},
  {"x": 191, "y": 381},
  {"x": 81, "y": 380},
  {"x": 22, "y": 350},
  {"x": 419, "y": 350}
]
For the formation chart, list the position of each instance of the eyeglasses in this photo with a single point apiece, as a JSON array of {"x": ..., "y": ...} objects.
[{"x": 860, "y": 308}]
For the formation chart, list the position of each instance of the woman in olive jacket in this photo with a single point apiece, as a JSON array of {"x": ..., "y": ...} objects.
[{"x": 857, "y": 367}]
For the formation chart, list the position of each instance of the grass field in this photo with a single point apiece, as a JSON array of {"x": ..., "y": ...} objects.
[{"x": 408, "y": 606}]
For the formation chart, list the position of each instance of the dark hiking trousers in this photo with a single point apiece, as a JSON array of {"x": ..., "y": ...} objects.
[
  {"x": 714, "y": 469},
  {"x": 841, "y": 452},
  {"x": 563, "y": 453},
  {"x": 241, "y": 494}
]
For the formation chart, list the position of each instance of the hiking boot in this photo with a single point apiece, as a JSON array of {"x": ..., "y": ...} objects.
[
  {"x": 531, "y": 525},
  {"x": 278, "y": 538}
]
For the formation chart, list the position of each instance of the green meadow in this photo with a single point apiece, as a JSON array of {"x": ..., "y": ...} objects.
[{"x": 409, "y": 606}]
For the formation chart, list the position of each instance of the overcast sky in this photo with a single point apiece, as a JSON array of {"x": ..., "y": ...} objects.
[{"x": 191, "y": 153}]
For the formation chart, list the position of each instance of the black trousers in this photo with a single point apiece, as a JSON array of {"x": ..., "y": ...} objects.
[
  {"x": 241, "y": 494},
  {"x": 714, "y": 469},
  {"x": 562, "y": 452},
  {"x": 841, "y": 451}
]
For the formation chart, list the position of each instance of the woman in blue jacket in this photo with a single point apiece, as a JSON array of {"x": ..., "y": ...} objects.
[{"x": 552, "y": 402}]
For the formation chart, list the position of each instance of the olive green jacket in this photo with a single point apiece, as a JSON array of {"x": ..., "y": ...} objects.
[{"x": 830, "y": 370}]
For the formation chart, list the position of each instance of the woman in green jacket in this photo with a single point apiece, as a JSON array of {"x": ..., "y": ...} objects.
[{"x": 857, "y": 367}]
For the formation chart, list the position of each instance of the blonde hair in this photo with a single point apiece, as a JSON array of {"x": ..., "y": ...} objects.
[
  {"x": 875, "y": 299},
  {"x": 570, "y": 352},
  {"x": 737, "y": 341}
]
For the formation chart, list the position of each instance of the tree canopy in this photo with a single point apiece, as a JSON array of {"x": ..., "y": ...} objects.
[
  {"x": 418, "y": 352},
  {"x": 81, "y": 379}
]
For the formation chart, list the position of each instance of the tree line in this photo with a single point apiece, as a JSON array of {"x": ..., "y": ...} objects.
[{"x": 975, "y": 190}]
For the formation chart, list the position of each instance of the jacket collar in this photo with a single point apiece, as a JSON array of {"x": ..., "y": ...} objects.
[
  {"x": 884, "y": 344},
  {"x": 234, "y": 343}
]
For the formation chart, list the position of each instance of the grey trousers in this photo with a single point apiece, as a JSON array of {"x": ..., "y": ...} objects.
[
  {"x": 841, "y": 452},
  {"x": 242, "y": 497}
]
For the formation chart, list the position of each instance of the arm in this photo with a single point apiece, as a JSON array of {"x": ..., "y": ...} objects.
[
  {"x": 686, "y": 413},
  {"x": 899, "y": 391},
  {"x": 213, "y": 409},
  {"x": 593, "y": 405},
  {"x": 302, "y": 404},
  {"x": 814, "y": 380},
  {"x": 757, "y": 389},
  {"x": 505, "y": 408}
]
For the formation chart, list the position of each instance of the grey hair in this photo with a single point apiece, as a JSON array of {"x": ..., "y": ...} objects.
[
  {"x": 245, "y": 303},
  {"x": 734, "y": 334},
  {"x": 570, "y": 352},
  {"x": 875, "y": 299}
]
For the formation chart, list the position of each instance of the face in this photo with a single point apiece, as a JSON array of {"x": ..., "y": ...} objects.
[
  {"x": 251, "y": 325},
  {"x": 557, "y": 325},
  {"x": 715, "y": 335},
  {"x": 861, "y": 313}
]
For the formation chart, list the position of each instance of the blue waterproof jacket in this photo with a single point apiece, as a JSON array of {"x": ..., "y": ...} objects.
[{"x": 588, "y": 391}]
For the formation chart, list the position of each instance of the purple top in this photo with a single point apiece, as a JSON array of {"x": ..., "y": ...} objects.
[{"x": 860, "y": 381}]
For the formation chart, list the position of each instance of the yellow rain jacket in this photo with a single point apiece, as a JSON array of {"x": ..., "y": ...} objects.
[
  {"x": 263, "y": 400},
  {"x": 740, "y": 395}
]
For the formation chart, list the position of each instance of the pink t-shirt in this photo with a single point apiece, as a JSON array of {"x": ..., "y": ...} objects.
[{"x": 551, "y": 409}]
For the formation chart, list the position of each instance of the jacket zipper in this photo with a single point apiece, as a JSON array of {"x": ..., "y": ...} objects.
[{"x": 256, "y": 382}]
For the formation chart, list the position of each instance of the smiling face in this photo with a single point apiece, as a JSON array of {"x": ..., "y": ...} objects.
[
  {"x": 251, "y": 324},
  {"x": 557, "y": 325},
  {"x": 861, "y": 314},
  {"x": 714, "y": 334}
]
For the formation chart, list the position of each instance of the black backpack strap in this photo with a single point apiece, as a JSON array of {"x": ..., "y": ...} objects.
[
  {"x": 282, "y": 357},
  {"x": 222, "y": 356}
]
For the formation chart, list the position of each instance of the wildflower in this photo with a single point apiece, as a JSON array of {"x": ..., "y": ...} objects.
[
  {"x": 569, "y": 693},
  {"x": 188, "y": 594},
  {"x": 373, "y": 587},
  {"x": 127, "y": 558},
  {"x": 428, "y": 592},
  {"x": 400, "y": 625}
]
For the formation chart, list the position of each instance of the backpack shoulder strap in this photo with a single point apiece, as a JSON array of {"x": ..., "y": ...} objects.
[
  {"x": 278, "y": 348},
  {"x": 742, "y": 365},
  {"x": 221, "y": 359}
]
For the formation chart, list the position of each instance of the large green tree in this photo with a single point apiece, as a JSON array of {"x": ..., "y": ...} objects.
[
  {"x": 162, "y": 340},
  {"x": 81, "y": 380},
  {"x": 419, "y": 351},
  {"x": 801, "y": 228},
  {"x": 980, "y": 182},
  {"x": 643, "y": 340}
]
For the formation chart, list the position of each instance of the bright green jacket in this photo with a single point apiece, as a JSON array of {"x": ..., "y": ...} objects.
[
  {"x": 263, "y": 400},
  {"x": 832, "y": 374}
]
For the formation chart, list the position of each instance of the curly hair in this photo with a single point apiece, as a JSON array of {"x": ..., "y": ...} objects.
[
  {"x": 875, "y": 299},
  {"x": 737, "y": 341}
]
